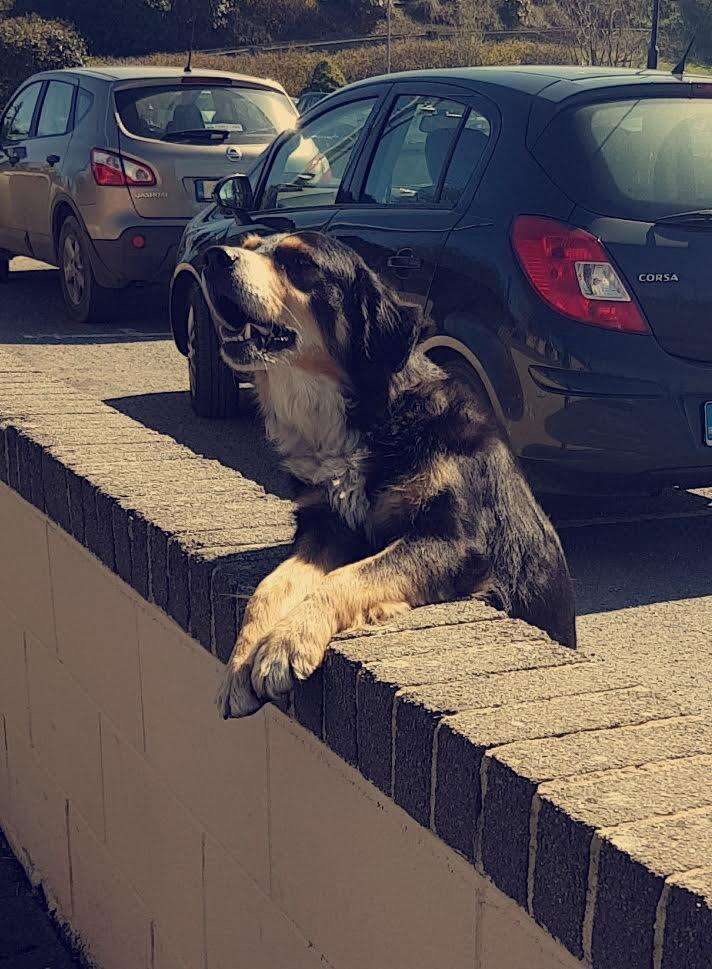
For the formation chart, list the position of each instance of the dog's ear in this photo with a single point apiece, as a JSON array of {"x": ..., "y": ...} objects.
[{"x": 390, "y": 329}]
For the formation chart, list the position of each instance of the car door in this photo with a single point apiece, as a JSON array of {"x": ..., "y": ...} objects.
[
  {"x": 409, "y": 185},
  {"x": 298, "y": 183},
  {"x": 301, "y": 184},
  {"x": 42, "y": 165},
  {"x": 16, "y": 128}
]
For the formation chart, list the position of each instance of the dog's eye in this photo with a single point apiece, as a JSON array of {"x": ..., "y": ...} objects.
[{"x": 300, "y": 268}]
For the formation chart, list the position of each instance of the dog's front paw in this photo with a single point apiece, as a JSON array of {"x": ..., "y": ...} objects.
[
  {"x": 291, "y": 652},
  {"x": 236, "y": 697}
]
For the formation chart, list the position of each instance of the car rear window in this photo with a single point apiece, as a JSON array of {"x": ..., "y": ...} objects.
[
  {"x": 178, "y": 112},
  {"x": 636, "y": 159}
]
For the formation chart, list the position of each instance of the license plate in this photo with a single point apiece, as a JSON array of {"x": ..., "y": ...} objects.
[
  {"x": 204, "y": 189},
  {"x": 708, "y": 423}
]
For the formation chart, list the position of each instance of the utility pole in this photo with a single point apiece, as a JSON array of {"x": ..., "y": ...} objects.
[
  {"x": 388, "y": 44},
  {"x": 653, "y": 51}
]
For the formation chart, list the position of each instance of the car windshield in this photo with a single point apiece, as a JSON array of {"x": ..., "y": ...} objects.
[
  {"x": 640, "y": 159},
  {"x": 180, "y": 112}
]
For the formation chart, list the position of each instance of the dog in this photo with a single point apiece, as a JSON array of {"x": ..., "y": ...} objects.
[{"x": 406, "y": 490}]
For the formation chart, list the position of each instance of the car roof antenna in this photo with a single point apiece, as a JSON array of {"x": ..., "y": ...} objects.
[
  {"x": 679, "y": 69},
  {"x": 188, "y": 69}
]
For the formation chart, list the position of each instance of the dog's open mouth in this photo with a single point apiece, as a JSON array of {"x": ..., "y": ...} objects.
[{"x": 255, "y": 339}]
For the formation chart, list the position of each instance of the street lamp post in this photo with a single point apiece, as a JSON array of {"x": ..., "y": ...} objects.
[{"x": 653, "y": 47}]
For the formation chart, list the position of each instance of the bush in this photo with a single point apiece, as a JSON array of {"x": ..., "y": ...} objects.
[
  {"x": 326, "y": 76},
  {"x": 30, "y": 44},
  {"x": 294, "y": 68}
]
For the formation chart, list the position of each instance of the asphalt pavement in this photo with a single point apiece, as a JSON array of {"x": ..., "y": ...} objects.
[{"x": 642, "y": 566}]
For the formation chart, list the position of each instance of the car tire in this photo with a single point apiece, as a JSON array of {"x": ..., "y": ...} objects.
[
  {"x": 214, "y": 388},
  {"x": 84, "y": 299},
  {"x": 4, "y": 269}
]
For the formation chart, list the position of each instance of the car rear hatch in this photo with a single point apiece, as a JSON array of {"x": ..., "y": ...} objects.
[
  {"x": 640, "y": 170},
  {"x": 192, "y": 132}
]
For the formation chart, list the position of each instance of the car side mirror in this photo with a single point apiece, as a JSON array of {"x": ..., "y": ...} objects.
[{"x": 233, "y": 196}]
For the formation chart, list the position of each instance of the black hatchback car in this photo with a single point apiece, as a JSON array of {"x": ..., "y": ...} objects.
[{"x": 557, "y": 224}]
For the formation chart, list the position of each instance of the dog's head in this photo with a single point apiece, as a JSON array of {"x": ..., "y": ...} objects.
[{"x": 307, "y": 300}]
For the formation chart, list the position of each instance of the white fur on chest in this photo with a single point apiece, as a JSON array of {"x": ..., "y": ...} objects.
[{"x": 305, "y": 417}]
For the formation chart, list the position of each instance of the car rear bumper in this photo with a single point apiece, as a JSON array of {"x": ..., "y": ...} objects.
[
  {"x": 118, "y": 262},
  {"x": 596, "y": 432}
]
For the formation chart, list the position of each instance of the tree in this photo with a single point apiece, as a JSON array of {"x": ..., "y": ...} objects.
[
  {"x": 514, "y": 13},
  {"x": 31, "y": 44},
  {"x": 696, "y": 17},
  {"x": 605, "y": 32}
]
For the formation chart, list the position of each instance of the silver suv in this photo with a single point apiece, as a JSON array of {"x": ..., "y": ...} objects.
[{"x": 101, "y": 168}]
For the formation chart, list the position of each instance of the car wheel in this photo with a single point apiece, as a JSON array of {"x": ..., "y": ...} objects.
[
  {"x": 4, "y": 269},
  {"x": 214, "y": 389},
  {"x": 84, "y": 300}
]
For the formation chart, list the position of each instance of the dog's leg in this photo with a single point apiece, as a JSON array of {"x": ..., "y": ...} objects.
[
  {"x": 273, "y": 599},
  {"x": 322, "y": 544},
  {"x": 406, "y": 574}
]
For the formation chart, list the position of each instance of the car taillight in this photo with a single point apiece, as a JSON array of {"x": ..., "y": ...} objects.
[
  {"x": 571, "y": 271},
  {"x": 111, "y": 168}
]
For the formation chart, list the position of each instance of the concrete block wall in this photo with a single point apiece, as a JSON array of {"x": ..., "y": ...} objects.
[
  {"x": 516, "y": 792},
  {"x": 168, "y": 838}
]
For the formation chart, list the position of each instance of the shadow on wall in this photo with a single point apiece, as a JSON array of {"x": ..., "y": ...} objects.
[{"x": 239, "y": 444}]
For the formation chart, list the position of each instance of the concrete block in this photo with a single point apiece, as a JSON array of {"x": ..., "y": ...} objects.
[
  {"x": 108, "y": 914},
  {"x": 24, "y": 566},
  {"x": 507, "y": 803},
  {"x": 348, "y": 866},
  {"x": 97, "y": 635},
  {"x": 38, "y": 817},
  {"x": 509, "y": 939},
  {"x": 570, "y": 810},
  {"x": 633, "y": 863},
  {"x": 65, "y": 732},
  {"x": 14, "y": 704},
  {"x": 156, "y": 844},
  {"x": 217, "y": 768},
  {"x": 687, "y": 940}
]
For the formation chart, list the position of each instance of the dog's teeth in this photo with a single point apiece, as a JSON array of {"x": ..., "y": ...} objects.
[{"x": 248, "y": 332}]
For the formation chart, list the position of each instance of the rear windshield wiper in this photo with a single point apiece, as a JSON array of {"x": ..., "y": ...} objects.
[
  {"x": 197, "y": 134},
  {"x": 702, "y": 217}
]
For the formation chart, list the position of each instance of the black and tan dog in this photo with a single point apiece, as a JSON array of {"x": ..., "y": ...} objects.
[{"x": 407, "y": 492}]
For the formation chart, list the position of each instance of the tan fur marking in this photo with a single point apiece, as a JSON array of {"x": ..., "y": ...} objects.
[
  {"x": 294, "y": 242},
  {"x": 251, "y": 242},
  {"x": 402, "y": 500}
]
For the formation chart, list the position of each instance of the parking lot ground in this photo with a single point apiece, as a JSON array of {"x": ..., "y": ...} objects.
[
  {"x": 28, "y": 937},
  {"x": 642, "y": 566}
]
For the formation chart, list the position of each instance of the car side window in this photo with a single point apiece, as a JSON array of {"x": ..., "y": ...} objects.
[
  {"x": 56, "y": 109},
  {"x": 471, "y": 146},
  {"x": 418, "y": 145},
  {"x": 17, "y": 120},
  {"x": 310, "y": 166}
]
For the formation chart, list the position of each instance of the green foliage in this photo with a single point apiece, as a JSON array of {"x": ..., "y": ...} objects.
[
  {"x": 31, "y": 44},
  {"x": 294, "y": 68},
  {"x": 117, "y": 26},
  {"x": 514, "y": 14},
  {"x": 326, "y": 76}
]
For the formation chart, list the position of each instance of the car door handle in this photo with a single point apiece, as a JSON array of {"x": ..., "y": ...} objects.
[
  {"x": 405, "y": 259},
  {"x": 52, "y": 160}
]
